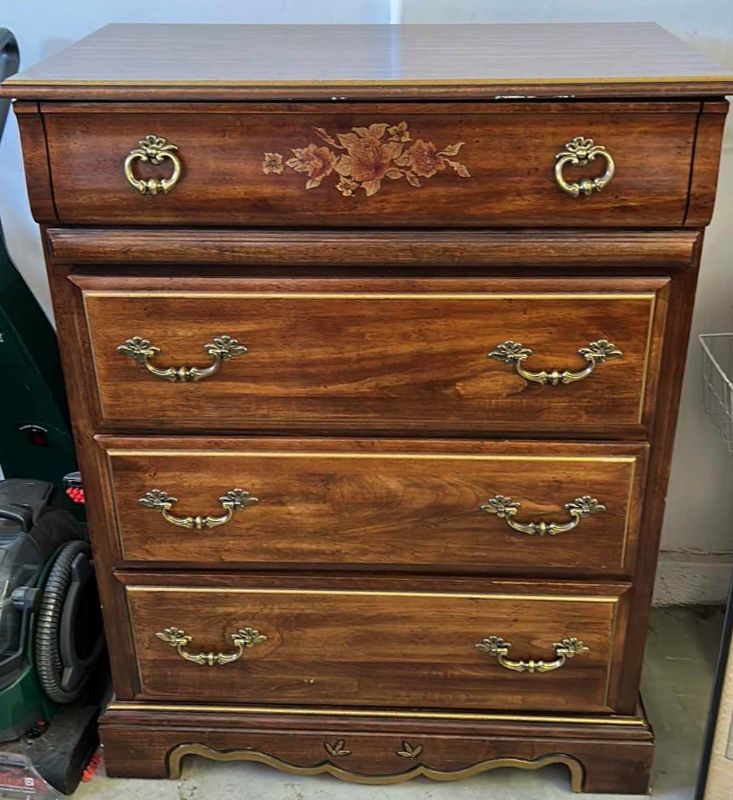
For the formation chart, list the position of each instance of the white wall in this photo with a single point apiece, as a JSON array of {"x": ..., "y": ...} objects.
[{"x": 700, "y": 501}]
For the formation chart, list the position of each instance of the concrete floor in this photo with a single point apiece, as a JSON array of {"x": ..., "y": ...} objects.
[{"x": 680, "y": 661}]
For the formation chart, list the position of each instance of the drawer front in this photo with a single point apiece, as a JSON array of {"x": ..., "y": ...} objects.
[
  {"x": 451, "y": 505},
  {"x": 386, "y": 166},
  {"x": 391, "y": 355},
  {"x": 359, "y": 648}
]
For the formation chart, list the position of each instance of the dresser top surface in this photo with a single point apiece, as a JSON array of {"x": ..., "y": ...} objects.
[{"x": 177, "y": 61}]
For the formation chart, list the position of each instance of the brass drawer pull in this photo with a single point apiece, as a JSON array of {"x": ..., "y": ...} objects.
[
  {"x": 505, "y": 508},
  {"x": 579, "y": 152},
  {"x": 154, "y": 150},
  {"x": 564, "y": 649},
  {"x": 223, "y": 348},
  {"x": 232, "y": 501},
  {"x": 515, "y": 354},
  {"x": 243, "y": 638}
]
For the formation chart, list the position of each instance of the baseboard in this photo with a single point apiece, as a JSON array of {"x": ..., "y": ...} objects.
[
  {"x": 685, "y": 579},
  {"x": 604, "y": 754}
]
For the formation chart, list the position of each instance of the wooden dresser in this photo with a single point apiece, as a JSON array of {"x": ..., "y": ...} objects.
[{"x": 374, "y": 338}]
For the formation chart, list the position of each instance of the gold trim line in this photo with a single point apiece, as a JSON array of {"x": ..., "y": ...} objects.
[
  {"x": 310, "y": 454},
  {"x": 396, "y": 82},
  {"x": 177, "y": 755},
  {"x": 296, "y": 295},
  {"x": 648, "y": 348},
  {"x": 367, "y": 593},
  {"x": 117, "y": 705}
]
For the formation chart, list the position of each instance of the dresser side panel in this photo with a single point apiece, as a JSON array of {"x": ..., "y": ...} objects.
[
  {"x": 76, "y": 362},
  {"x": 676, "y": 339},
  {"x": 35, "y": 159},
  {"x": 706, "y": 163}
]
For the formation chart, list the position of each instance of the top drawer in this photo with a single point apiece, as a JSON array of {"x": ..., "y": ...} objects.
[{"x": 496, "y": 164}]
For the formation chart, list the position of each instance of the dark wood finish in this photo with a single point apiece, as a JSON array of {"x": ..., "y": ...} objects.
[
  {"x": 704, "y": 178},
  {"x": 70, "y": 329},
  {"x": 510, "y": 157},
  {"x": 38, "y": 179},
  {"x": 666, "y": 145},
  {"x": 677, "y": 337},
  {"x": 600, "y": 757},
  {"x": 363, "y": 582},
  {"x": 576, "y": 594},
  {"x": 413, "y": 649},
  {"x": 334, "y": 503},
  {"x": 377, "y": 355},
  {"x": 413, "y": 250},
  {"x": 612, "y": 727},
  {"x": 347, "y": 61}
]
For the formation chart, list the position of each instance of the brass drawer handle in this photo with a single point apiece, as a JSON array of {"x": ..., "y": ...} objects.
[
  {"x": 564, "y": 649},
  {"x": 243, "y": 638},
  {"x": 505, "y": 508},
  {"x": 515, "y": 354},
  {"x": 231, "y": 501},
  {"x": 223, "y": 348},
  {"x": 578, "y": 152},
  {"x": 154, "y": 150}
]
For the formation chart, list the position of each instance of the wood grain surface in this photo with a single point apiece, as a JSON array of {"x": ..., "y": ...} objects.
[
  {"x": 335, "y": 504},
  {"x": 380, "y": 355},
  {"x": 35, "y": 149},
  {"x": 334, "y": 251},
  {"x": 368, "y": 649},
  {"x": 704, "y": 178},
  {"x": 369, "y": 313},
  {"x": 149, "y": 741},
  {"x": 507, "y": 150},
  {"x": 191, "y": 61}
]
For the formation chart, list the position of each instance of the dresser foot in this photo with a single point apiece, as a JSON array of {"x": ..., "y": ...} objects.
[
  {"x": 601, "y": 754},
  {"x": 610, "y": 769}
]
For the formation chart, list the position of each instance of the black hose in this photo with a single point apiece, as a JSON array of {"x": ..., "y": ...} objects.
[{"x": 49, "y": 664}]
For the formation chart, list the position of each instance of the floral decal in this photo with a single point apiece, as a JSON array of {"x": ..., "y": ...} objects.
[{"x": 364, "y": 157}]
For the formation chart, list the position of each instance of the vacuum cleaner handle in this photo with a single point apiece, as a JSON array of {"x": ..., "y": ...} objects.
[{"x": 9, "y": 63}]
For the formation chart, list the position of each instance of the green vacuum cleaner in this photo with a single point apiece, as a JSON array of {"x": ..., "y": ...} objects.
[
  {"x": 51, "y": 641},
  {"x": 53, "y": 676}
]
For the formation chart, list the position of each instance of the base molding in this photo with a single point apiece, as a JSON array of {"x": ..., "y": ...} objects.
[
  {"x": 602, "y": 754},
  {"x": 329, "y": 768}
]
